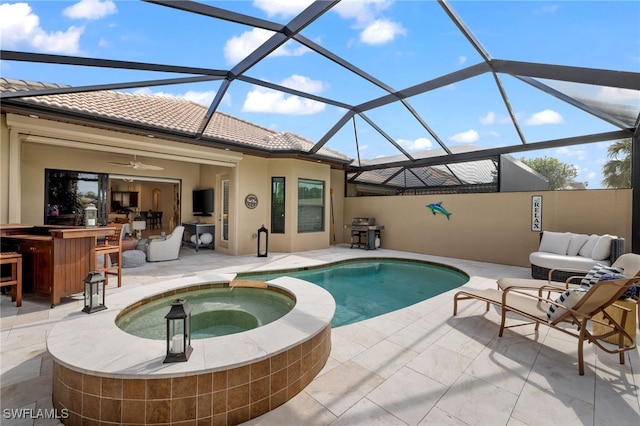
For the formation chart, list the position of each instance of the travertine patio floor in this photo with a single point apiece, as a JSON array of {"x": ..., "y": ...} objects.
[{"x": 416, "y": 366}]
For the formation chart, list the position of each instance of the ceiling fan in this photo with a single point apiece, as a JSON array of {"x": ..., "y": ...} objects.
[{"x": 137, "y": 165}]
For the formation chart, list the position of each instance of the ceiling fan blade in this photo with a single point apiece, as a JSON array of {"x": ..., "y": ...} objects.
[
  {"x": 119, "y": 164},
  {"x": 150, "y": 167},
  {"x": 141, "y": 166}
]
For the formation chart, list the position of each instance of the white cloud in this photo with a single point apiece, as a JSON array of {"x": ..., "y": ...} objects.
[
  {"x": 304, "y": 84},
  {"x": 544, "y": 117},
  {"x": 283, "y": 8},
  {"x": 270, "y": 101},
  {"x": 571, "y": 152},
  {"x": 239, "y": 47},
  {"x": 465, "y": 137},
  {"x": 488, "y": 119},
  {"x": 415, "y": 145},
  {"x": 90, "y": 9},
  {"x": 20, "y": 26},
  {"x": 381, "y": 31},
  {"x": 367, "y": 16},
  {"x": 493, "y": 118},
  {"x": 462, "y": 60},
  {"x": 363, "y": 11}
]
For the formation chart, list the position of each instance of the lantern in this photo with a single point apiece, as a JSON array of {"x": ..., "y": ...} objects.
[
  {"x": 94, "y": 292},
  {"x": 90, "y": 216},
  {"x": 178, "y": 332},
  {"x": 263, "y": 245}
]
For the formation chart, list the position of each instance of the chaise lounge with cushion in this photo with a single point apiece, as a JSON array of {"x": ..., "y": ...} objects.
[
  {"x": 575, "y": 313},
  {"x": 567, "y": 252}
]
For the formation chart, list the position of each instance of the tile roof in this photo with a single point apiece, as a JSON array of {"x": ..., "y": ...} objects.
[{"x": 172, "y": 114}]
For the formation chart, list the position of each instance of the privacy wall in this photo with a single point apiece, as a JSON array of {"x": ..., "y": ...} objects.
[{"x": 492, "y": 227}]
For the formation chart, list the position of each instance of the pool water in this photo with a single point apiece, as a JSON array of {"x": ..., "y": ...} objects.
[
  {"x": 214, "y": 312},
  {"x": 365, "y": 289}
]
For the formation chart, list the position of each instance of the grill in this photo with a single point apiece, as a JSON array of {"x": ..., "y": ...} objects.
[{"x": 365, "y": 233}]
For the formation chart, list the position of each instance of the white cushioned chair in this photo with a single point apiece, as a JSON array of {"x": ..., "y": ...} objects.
[{"x": 165, "y": 249}]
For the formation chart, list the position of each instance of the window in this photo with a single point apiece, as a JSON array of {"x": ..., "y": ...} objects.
[
  {"x": 310, "y": 205},
  {"x": 68, "y": 193},
  {"x": 277, "y": 205}
]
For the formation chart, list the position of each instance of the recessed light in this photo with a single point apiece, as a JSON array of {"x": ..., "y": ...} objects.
[{"x": 34, "y": 116}]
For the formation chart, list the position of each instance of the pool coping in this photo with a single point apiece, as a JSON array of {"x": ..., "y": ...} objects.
[{"x": 93, "y": 343}]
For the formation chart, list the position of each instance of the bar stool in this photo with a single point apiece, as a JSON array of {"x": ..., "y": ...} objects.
[
  {"x": 15, "y": 280},
  {"x": 111, "y": 245}
]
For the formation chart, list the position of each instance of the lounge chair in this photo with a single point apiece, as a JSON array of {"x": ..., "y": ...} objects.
[
  {"x": 629, "y": 263},
  {"x": 536, "y": 308}
]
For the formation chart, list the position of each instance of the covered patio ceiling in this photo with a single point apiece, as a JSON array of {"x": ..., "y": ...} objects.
[{"x": 364, "y": 120}]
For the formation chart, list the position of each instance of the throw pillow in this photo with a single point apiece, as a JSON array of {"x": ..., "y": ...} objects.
[
  {"x": 587, "y": 248},
  {"x": 569, "y": 299},
  {"x": 577, "y": 241},
  {"x": 596, "y": 273},
  {"x": 555, "y": 242},
  {"x": 631, "y": 291},
  {"x": 602, "y": 249}
]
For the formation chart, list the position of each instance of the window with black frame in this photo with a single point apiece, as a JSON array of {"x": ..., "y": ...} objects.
[
  {"x": 277, "y": 205},
  {"x": 310, "y": 205},
  {"x": 68, "y": 193}
]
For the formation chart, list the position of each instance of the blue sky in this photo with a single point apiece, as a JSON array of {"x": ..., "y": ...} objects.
[{"x": 402, "y": 43}]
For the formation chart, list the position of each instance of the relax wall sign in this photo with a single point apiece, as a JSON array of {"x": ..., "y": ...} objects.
[{"x": 536, "y": 213}]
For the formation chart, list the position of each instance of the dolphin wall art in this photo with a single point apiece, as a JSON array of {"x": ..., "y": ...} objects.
[{"x": 437, "y": 208}]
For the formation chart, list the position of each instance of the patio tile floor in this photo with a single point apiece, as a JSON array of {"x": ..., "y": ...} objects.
[{"x": 417, "y": 366}]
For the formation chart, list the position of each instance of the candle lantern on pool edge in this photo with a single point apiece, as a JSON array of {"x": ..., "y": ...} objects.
[
  {"x": 178, "y": 332},
  {"x": 90, "y": 216},
  {"x": 263, "y": 241},
  {"x": 94, "y": 292}
]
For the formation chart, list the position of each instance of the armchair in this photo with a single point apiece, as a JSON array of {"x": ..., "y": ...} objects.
[{"x": 165, "y": 249}]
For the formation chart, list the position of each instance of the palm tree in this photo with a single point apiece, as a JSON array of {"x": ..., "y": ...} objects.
[{"x": 617, "y": 171}]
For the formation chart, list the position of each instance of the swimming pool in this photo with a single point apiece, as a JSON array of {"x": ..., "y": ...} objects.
[{"x": 366, "y": 288}]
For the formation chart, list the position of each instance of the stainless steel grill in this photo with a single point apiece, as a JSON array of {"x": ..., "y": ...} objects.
[{"x": 365, "y": 233}]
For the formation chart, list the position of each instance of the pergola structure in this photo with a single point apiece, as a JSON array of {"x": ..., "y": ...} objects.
[{"x": 406, "y": 170}]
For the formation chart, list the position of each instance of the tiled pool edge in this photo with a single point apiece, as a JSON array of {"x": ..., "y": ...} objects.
[{"x": 223, "y": 398}]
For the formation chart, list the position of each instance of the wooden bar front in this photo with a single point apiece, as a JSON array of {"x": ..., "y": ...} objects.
[{"x": 55, "y": 260}]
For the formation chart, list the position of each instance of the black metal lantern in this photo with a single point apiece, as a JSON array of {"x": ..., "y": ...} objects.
[
  {"x": 178, "y": 332},
  {"x": 94, "y": 292},
  {"x": 263, "y": 245}
]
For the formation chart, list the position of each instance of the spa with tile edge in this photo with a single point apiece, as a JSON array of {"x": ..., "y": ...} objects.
[{"x": 104, "y": 375}]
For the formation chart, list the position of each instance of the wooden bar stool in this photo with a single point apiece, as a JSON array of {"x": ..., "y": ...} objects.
[{"x": 15, "y": 279}]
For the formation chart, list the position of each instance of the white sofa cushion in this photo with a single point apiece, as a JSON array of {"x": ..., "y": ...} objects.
[
  {"x": 555, "y": 242},
  {"x": 587, "y": 248},
  {"x": 577, "y": 241},
  {"x": 602, "y": 249},
  {"x": 560, "y": 261}
]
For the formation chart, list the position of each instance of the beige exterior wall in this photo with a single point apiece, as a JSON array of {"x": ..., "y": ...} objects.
[
  {"x": 486, "y": 227},
  {"x": 30, "y": 145},
  {"x": 491, "y": 227}
]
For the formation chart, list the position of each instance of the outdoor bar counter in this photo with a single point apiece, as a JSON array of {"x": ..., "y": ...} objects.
[{"x": 55, "y": 259}]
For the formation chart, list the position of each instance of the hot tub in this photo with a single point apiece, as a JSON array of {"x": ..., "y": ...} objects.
[{"x": 104, "y": 375}]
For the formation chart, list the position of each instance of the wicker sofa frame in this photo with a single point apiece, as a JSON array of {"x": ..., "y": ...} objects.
[{"x": 542, "y": 273}]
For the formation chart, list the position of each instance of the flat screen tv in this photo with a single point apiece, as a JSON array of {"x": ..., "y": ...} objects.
[{"x": 203, "y": 202}]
